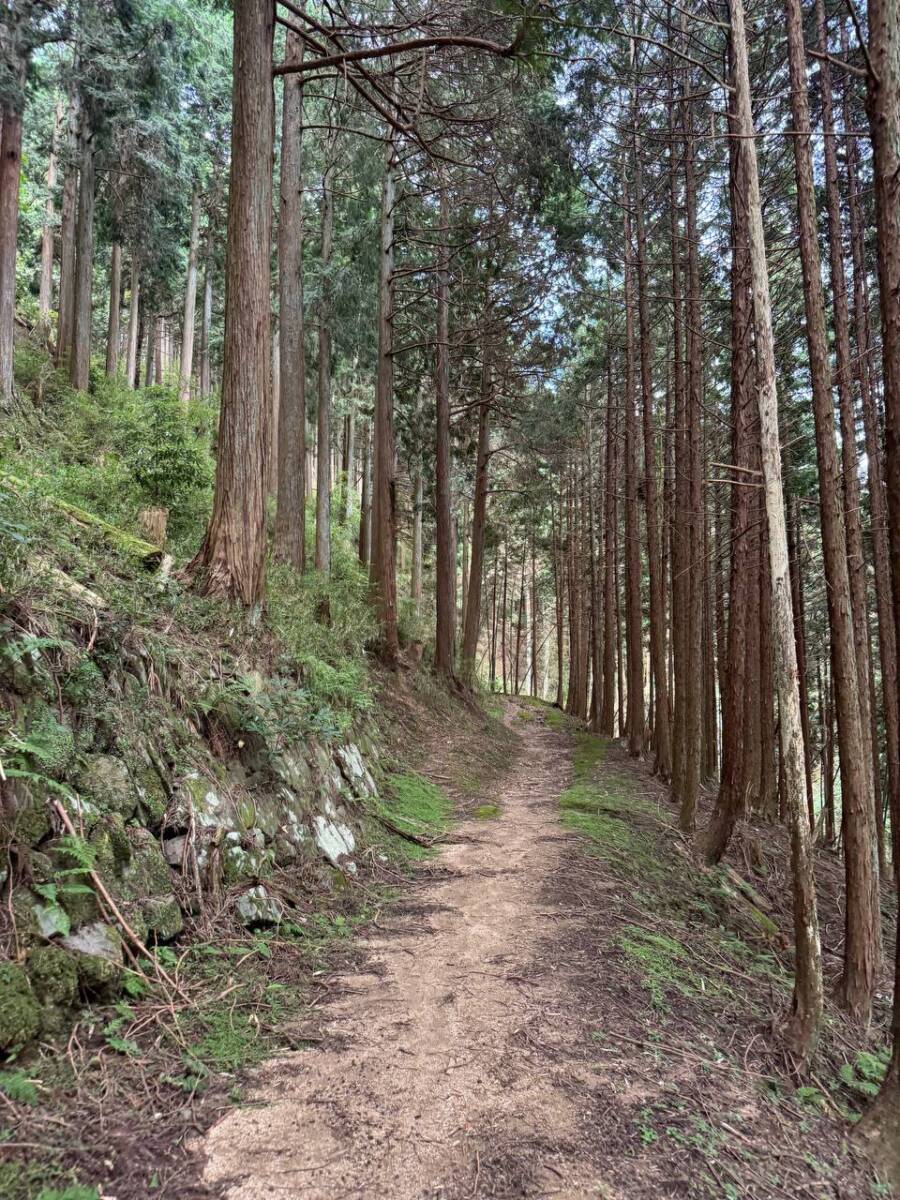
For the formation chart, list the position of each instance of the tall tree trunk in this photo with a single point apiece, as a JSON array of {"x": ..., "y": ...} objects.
[
  {"x": 472, "y": 622},
  {"x": 797, "y": 597},
  {"x": 634, "y": 642},
  {"x": 661, "y": 734},
  {"x": 45, "y": 295},
  {"x": 732, "y": 787},
  {"x": 10, "y": 166},
  {"x": 364, "y": 501},
  {"x": 291, "y": 503},
  {"x": 80, "y": 353},
  {"x": 881, "y": 1125},
  {"x": 862, "y": 917},
  {"x": 232, "y": 560},
  {"x": 68, "y": 221},
  {"x": 190, "y": 303},
  {"x": 115, "y": 310},
  {"x": 323, "y": 422},
  {"x": 206, "y": 331},
  {"x": 134, "y": 310},
  {"x": 445, "y": 589},
  {"x": 610, "y": 520},
  {"x": 382, "y": 572},
  {"x": 290, "y": 511},
  {"x": 807, "y": 1004}
]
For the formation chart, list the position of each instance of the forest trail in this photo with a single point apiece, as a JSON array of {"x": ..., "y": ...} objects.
[{"x": 432, "y": 1078}]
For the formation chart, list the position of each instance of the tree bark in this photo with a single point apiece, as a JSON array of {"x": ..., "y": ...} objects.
[
  {"x": 382, "y": 570},
  {"x": 290, "y": 512},
  {"x": 115, "y": 310},
  {"x": 232, "y": 560},
  {"x": 807, "y": 1003},
  {"x": 881, "y": 1125},
  {"x": 68, "y": 220},
  {"x": 190, "y": 303},
  {"x": 323, "y": 419},
  {"x": 862, "y": 917},
  {"x": 10, "y": 167},
  {"x": 80, "y": 353},
  {"x": 445, "y": 589},
  {"x": 134, "y": 308},
  {"x": 634, "y": 642},
  {"x": 45, "y": 295}
]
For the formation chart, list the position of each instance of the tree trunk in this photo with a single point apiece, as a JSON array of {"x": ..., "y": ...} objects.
[
  {"x": 881, "y": 1125},
  {"x": 323, "y": 420},
  {"x": 732, "y": 787},
  {"x": 445, "y": 590},
  {"x": 479, "y": 518},
  {"x": 634, "y": 642},
  {"x": 206, "y": 330},
  {"x": 807, "y": 1004},
  {"x": 862, "y": 917},
  {"x": 80, "y": 353},
  {"x": 10, "y": 166},
  {"x": 290, "y": 513},
  {"x": 115, "y": 311},
  {"x": 382, "y": 574},
  {"x": 232, "y": 560},
  {"x": 134, "y": 326},
  {"x": 661, "y": 734},
  {"x": 45, "y": 295},
  {"x": 68, "y": 220},
  {"x": 190, "y": 303},
  {"x": 610, "y": 519}
]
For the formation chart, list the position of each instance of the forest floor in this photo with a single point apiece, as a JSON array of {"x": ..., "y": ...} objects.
[{"x": 562, "y": 1003}]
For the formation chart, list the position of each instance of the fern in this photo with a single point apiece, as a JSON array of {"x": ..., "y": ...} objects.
[{"x": 17, "y": 1086}]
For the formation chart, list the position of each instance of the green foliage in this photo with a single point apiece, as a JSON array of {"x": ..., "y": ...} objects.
[
  {"x": 18, "y": 1086},
  {"x": 416, "y": 806},
  {"x": 863, "y": 1077},
  {"x": 168, "y": 460}
]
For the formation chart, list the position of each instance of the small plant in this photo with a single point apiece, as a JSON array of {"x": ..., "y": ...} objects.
[{"x": 18, "y": 1086}]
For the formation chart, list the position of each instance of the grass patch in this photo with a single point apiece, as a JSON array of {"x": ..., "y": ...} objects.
[
  {"x": 417, "y": 807},
  {"x": 661, "y": 962},
  {"x": 486, "y": 812}
]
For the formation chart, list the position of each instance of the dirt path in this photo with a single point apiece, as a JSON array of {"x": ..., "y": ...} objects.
[{"x": 433, "y": 1078}]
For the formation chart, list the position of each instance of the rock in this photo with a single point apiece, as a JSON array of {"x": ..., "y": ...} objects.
[
  {"x": 258, "y": 907},
  {"x": 355, "y": 771},
  {"x": 151, "y": 792},
  {"x": 26, "y": 816},
  {"x": 53, "y": 975},
  {"x": 98, "y": 958},
  {"x": 106, "y": 782},
  {"x": 55, "y": 739},
  {"x": 333, "y": 838},
  {"x": 173, "y": 850},
  {"x": 194, "y": 797},
  {"x": 146, "y": 884},
  {"x": 20, "y": 1014}
]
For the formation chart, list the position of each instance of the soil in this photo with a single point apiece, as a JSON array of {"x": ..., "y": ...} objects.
[{"x": 492, "y": 1041}]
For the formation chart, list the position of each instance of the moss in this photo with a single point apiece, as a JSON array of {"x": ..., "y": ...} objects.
[
  {"x": 53, "y": 974},
  {"x": 105, "y": 781},
  {"x": 484, "y": 812},
  {"x": 660, "y": 960},
  {"x": 20, "y": 1017},
  {"x": 416, "y": 806},
  {"x": 53, "y": 741},
  {"x": 27, "y": 818}
]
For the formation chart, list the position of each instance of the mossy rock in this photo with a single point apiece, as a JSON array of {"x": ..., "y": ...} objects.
[
  {"x": 52, "y": 741},
  {"x": 146, "y": 884},
  {"x": 97, "y": 952},
  {"x": 24, "y": 904},
  {"x": 20, "y": 1014},
  {"x": 153, "y": 798},
  {"x": 83, "y": 684},
  {"x": 26, "y": 815},
  {"x": 53, "y": 975},
  {"x": 110, "y": 844},
  {"x": 105, "y": 781}
]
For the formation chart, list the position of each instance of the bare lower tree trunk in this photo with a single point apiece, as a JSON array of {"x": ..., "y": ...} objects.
[
  {"x": 382, "y": 571},
  {"x": 634, "y": 641},
  {"x": 472, "y": 622},
  {"x": 732, "y": 789},
  {"x": 862, "y": 919},
  {"x": 10, "y": 166},
  {"x": 115, "y": 310},
  {"x": 232, "y": 560},
  {"x": 134, "y": 309},
  {"x": 80, "y": 352},
  {"x": 881, "y": 1125},
  {"x": 662, "y": 743},
  {"x": 807, "y": 1005},
  {"x": 445, "y": 590},
  {"x": 206, "y": 330},
  {"x": 190, "y": 303},
  {"x": 323, "y": 423},
  {"x": 45, "y": 295},
  {"x": 365, "y": 500},
  {"x": 68, "y": 219},
  {"x": 290, "y": 513}
]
